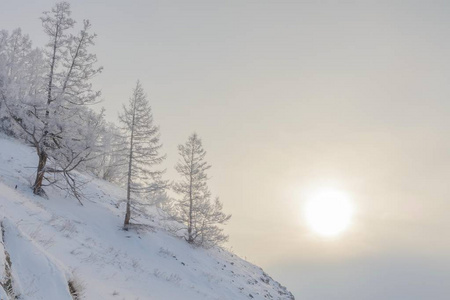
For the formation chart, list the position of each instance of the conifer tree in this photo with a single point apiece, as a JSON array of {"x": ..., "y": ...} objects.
[
  {"x": 198, "y": 215},
  {"x": 141, "y": 149}
]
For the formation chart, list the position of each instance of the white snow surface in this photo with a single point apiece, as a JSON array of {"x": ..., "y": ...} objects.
[
  {"x": 33, "y": 268},
  {"x": 56, "y": 240}
]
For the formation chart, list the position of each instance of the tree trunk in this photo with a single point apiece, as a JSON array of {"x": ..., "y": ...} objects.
[
  {"x": 130, "y": 164},
  {"x": 190, "y": 237},
  {"x": 127, "y": 216},
  {"x": 37, "y": 187},
  {"x": 128, "y": 212}
]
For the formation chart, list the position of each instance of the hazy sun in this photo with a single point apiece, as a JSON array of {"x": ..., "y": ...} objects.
[{"x": 328, "y": 212}]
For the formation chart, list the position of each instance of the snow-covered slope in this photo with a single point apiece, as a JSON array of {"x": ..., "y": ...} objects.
[{"x": 47, "y": 243}]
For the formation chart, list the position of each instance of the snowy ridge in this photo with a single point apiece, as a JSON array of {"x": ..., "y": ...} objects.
[{"x": 56, "y": 240}]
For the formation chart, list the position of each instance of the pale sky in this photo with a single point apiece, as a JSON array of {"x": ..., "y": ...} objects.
[{"x": 290, "y": 97}]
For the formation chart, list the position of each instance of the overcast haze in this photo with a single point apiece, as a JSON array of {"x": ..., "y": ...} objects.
[{"x": 289, "y": 97}]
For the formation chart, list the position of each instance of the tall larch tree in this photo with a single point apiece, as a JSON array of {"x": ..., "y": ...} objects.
[
  {"x": 141, "y": 150},
  {"x": 200, "y": 217}
]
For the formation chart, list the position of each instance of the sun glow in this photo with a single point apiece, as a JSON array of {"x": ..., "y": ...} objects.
[{"x": 328, "y": 212}]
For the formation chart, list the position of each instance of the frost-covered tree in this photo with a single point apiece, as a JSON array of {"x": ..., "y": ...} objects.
[
  {"x": 141, "y": 149},
  {"x": 108, "y": 162},
  {"x": 21, "y": 69},
  {"x": 54, "y": 116},
  {"x": 199, "y": 216}
]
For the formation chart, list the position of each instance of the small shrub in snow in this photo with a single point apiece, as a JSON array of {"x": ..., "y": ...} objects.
[
  {"x": 174, "y": 278},
  {"x": 135, "y": 263},
  {"x": 164, "y": 252},
  {"x": 46, "y": 242}
]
